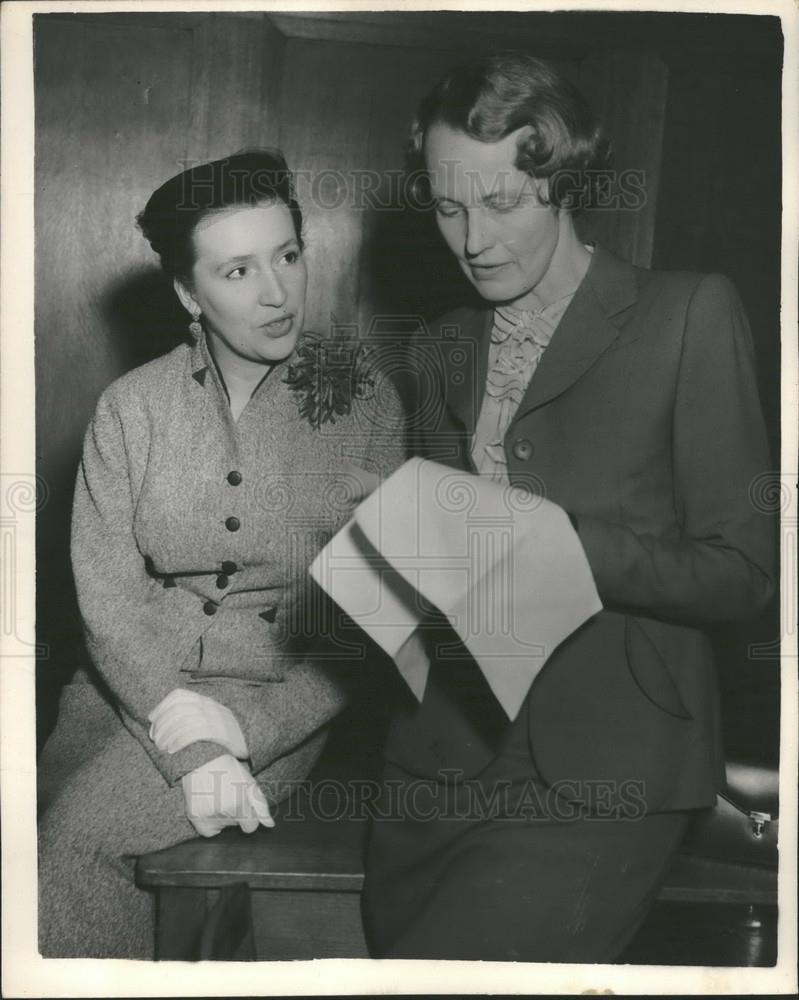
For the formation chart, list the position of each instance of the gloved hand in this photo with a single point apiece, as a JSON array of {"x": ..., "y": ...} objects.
[
  {"x": 223, "y": 793},
  {"x": 185, "y": 717}
]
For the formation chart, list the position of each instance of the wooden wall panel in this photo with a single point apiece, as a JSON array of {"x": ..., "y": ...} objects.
[
  {"x": 324, "y": 131},
  {"x": 629, "y": 92},
  {"x": 111, "y": 108},
  {"x": 235, "y": 82},
  {"x": 121, "y": 106},
  {"x": 403, "y": 254},
  {"x": 720, "y": 200},
  {"x": 342, "y": 133}
]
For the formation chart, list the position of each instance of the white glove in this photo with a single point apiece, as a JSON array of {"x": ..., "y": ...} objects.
[
  {"x": 184, "y": 717},
  {"x": 223, "y": 793}
]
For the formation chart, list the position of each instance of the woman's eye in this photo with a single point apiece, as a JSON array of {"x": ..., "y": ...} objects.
[
  {"x": 291, "y": 257},
  {"x": 501, "y": 207},
  {"x": 238, "y": 272},
  {"x": 448, "y": 210}
]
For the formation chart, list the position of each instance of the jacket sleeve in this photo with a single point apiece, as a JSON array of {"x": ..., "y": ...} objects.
[
  {"x": 721, "y": 564},
  {"x": 138, "y": 633},
  {"x": 277, "y": 718}
]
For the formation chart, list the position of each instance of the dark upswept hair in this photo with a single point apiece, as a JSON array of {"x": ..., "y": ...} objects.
[
  {"x": 491, "y": 96},
  {"x": 173, "y": 212}
]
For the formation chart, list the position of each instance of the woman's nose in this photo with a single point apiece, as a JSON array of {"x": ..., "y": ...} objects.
[
  {"x": 272, "y": 291},
  {"x": 477, "y": 238}
]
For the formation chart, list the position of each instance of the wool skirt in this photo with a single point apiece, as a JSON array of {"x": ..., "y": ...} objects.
[{"x": 102, "y": 802}]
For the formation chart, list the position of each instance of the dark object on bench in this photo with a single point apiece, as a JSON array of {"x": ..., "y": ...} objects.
[
  {"x": 743, "y": 827},
  {"x": 728, "y": 862},
  {"x": 303, "y": 881}
]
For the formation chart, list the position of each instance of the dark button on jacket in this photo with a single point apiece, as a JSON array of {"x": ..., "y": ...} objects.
[
  {"x": 234, "y": 478},
  {"x": 209, "y": 608},
  {"x": 232, "y": 524}
]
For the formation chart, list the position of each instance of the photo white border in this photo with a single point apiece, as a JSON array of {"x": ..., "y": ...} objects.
[{"x": 25, "y": 973}]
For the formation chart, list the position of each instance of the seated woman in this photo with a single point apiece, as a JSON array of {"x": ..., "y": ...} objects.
[{"x": 210, "y": 478}]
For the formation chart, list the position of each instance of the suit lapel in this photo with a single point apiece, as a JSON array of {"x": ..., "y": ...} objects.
[{"x": 585, "y": 331}]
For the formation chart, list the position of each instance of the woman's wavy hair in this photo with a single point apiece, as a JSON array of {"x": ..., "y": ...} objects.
[
  {"x": 248, "y": 178},
  {"x": 491, "y": 96}
]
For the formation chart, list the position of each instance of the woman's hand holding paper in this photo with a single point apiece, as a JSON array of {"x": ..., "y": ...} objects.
[{"x": 507, "y": 569}]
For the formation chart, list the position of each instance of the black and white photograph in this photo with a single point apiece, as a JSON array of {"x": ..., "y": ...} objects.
[{"x": 399, "y": 498}]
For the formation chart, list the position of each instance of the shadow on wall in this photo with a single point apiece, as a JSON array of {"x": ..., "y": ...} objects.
[
  {"x": 143, "y": 317},
  {"x": 143, "y": 320},
  {"x": 407, "y": 268},
  {"x": 408, "y": 276}
]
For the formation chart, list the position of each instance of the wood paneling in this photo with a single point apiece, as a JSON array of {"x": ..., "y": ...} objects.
[
  {"x": 234, "y": 92},
  {"x": 110, "y": 125},
  {"x": 344, "y": 134},
  {"x": 720, "y": 201},
  {"x": 550, "y": 34},
  {"x": 628, "y": 91},
  {"x": 120, "y": 108},
  {"x": 324, "y": 111}
]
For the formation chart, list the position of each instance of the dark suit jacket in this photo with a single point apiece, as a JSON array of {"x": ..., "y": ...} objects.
[{"x": 643, "y": 421}]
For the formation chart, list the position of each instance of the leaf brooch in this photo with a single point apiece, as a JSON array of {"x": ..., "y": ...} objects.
[{"x": 327, "y": 375}]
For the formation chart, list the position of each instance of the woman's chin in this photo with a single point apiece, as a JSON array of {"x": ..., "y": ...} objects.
[{"x": 279, "y": 348}]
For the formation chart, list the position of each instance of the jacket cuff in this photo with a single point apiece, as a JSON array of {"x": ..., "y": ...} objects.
[{"x": 174, "y": 766}]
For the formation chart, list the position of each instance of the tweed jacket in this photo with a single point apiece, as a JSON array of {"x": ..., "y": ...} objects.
[
  {"x": 191, "y": 539},
  {"x": 642, "y": 421}
]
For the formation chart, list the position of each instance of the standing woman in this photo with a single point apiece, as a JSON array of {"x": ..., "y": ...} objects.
[
  {"x": 210, "y": 478},
  {"x": 627, "y": 397}
]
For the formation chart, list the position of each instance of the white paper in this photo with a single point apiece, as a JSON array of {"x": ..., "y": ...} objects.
[{"x": 505, "y": 567}]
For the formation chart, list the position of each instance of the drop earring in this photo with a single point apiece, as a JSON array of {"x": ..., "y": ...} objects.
[{"x": 195, "y": 327}]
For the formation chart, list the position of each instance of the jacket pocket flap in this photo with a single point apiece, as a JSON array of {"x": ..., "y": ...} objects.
[{"x": 650, "y": 671}]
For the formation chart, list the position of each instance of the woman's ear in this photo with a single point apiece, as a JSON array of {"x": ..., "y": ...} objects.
[{"x": 187, "y": 300}]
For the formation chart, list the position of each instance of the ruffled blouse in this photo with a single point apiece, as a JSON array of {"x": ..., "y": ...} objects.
[{"x": 519, "y": 338}]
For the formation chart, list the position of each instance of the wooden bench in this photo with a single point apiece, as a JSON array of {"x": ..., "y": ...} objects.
[
  {"x": 294, "y": 892},
  {"x": 302, "y": 879}
]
